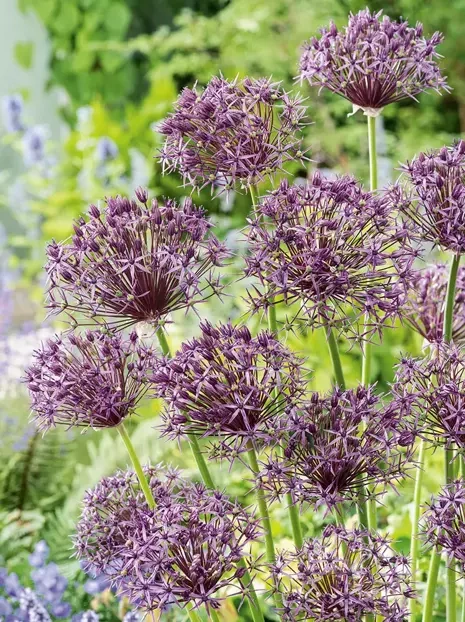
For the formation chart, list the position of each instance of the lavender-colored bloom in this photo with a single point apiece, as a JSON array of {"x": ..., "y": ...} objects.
[
  {"x": 430, "y": 392},
  {"x": 185, "y": 550},
  {"x": 344, "y": 575},
  {"x": 49, "y": 583},
  {"x": 89, "y": 616},
  {"x": 135, "y": 262},
  {"x": 60, "y": 609},
  {"x": 133, "y": 616},
  {"x": 12, "y": 109},
  {"x": 425, "y": 307},
  {"x": 333, "y": 445},
  {"x": 434, "y": 196},
  {"x": 220, "y": 384},
  {"x": 12, "y": 585},
  {"x": 95, "y": 379},
  {"x": 444, "y": 522},
  {"x": 106, "y": 149},
  {"x": 334, "y": 249},
  {"x": 373, "y": 63},
  {"x": 232, "y": 132},
  {"x": 32, "y": 607},
  {"x": 34, "y": 145},
  {"x": 5, "y": 607},
  {"x": 40, "y": 553},
  {"x": 96, "y": 585}
]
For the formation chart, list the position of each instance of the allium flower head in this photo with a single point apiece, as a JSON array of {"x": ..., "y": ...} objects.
[
  {"x": 136, "y": 262},
  {"x": 95, "y": 379},
  {"x": 334, "y": 249},
  {"x": 434, "y": 196},
  {"x": 444, "y": 521},
  {"x": 184, "y": 551},
  {"x": 425, "y": 307},
  {"x": 430, "y": 392},
  {"x": 344, "y": 575},
  {"x": 240, "y": 131},
  {"x": 333, "y": 445},
  {"x": 221, "y": 384},
  {"x": 373, "y": 62}
]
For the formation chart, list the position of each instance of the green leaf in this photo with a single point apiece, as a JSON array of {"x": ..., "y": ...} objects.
[
  {"x": 24, "y": 53},
  {"x": 118, "y": 20}
]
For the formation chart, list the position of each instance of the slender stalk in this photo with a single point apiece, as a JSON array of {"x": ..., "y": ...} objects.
[
  {"x": 451, "y": 596},
  {"x": 335, "y": 359},
  {"x": 194, "y": 616},
  {"x": 213, "y": 615},
  {"x": 414, "y": 542},
  {"x": 265, "y": 519},
  {"x": 204, "y": 471},
  {"x": 137, "y": 465},
  {"x": 292, "y": 509},
  {"x": 431, "y": 586}
]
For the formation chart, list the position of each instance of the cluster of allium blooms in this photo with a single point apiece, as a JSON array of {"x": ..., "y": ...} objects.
[
  {"x": 434, "y": 197},
  {"x": 373, "y": 63},
  {"x": 445, "y": 521},
  {"x": 136, "y": 262},
  {"x": 240, "y": 131},
  {"x": 95, "y": 379},
  {"x": 185, "y": 550},
  {"x": 230, "y": 387},
  {"x": 332, "y": 248},
  {"x": 425, "y": 307},
  {"x": 344, "y": 575},
  {"x": 333, "y": 447},
  {"x": 430, "y": 392}
]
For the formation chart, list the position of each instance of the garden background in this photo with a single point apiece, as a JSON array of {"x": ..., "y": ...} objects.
[{"x": 95, "y": 78}]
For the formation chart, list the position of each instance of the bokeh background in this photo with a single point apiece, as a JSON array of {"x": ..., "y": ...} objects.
[{"x": 83, "y": 85}]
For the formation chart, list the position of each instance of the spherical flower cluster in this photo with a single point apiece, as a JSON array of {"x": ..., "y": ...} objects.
[
  {"x": 373, "y": 62},
  {"x": 334, "y": 446},
  {"x": 334, "y": 249},
  {"x": 95, "y": 379},
  {"x": 184, "y": 551},
  {"x": 434, "y": 196},
  {"x": 445, "y": 522},
  {"x": 240, "y": 131},
  {"x": 136, "y": 262},
  {"x": 345, "y": 575},
  {"x": 221, "y": 386},
  {"x": 425, "y": 307},
  {"x": 430, "y": 392}
]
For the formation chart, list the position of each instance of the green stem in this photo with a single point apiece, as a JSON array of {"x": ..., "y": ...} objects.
[
  {"x": 335, "y": 359},
  {"x": 137, "y": 465},
  {"x": 372, "y": 153},
  {"x": 194, "y": 616},
  {"x": 414, "y": 542},
  {"x": 265, "y": 519},
  {"x": 209, "y": 483},
  {"x": 213, "y": 615},
  {"x": 431, "y": 586},
  {"x": 451, "y": 596},
  {"x": 450, "y": 298}
]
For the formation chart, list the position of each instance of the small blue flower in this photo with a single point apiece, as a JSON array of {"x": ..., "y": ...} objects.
[
  {"x": 132, "y": 616},
  {"x": 106, "y": 149},
  {"x": 61, "y": 610},
  {"x": 96, "y": 585},
  {"x": 39, "y": 555},
  {"x": 5, "y": 607},
  {"x": 12, "y": 111},
  {"x": 12, "y": 586},
  {"x": 34, "y": 145}
]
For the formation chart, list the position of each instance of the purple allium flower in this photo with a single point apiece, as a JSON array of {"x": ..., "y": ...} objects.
[
  {"x": 434, "y": 197},
  {"x": 31, "y": 605},
  {"x": 332, "y": 445},
  {"x": 106, "y": 149},
  {"x": 334, "y": 249},
  {"x": 95, "y": 379},
  {"x": 136, "y": 262},
  {"x": 444, "y": 521},
  {"x": 344, "y": 575},
  {"x": 219, "y": 386},
  {"x": 185, "y": 550},
  {"x": 12, "y": 109},
  {"x": 373, "y": 63},
  {"x": 240, "y": 131},
  {"x": 34, "y": 145},
  {"x": 39, "y": 555},
  {"x": 425, "y": 307},
  {"x": 431, "y": 393}
]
